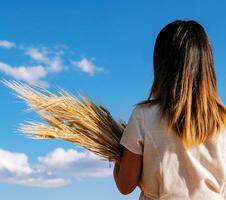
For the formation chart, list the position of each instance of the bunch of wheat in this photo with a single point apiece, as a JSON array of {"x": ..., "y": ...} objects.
[{"x": 66, "y": 117}]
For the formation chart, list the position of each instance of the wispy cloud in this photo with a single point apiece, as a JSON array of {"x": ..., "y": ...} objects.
[
  {"x": 36, "y": 54},
  {"x": 45, "y": 61},
  {"x": 53, "y": 64},
  {"x": 87, "y": 66},
  {"x": 55, "y": 169},
  {"x": 7, "y": 44}
]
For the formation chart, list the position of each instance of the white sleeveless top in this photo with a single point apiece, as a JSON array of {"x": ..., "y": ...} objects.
[{"x": 169, "y": 171}]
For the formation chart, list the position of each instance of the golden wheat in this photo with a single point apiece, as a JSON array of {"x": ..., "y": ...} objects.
[{"x": 66, "y": 117}]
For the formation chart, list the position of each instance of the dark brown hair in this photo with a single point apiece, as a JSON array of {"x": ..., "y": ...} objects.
[{"x": 184, "y": 83}]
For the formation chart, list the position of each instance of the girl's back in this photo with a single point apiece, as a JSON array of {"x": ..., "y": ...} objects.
[{"x": 169, "y": 170}]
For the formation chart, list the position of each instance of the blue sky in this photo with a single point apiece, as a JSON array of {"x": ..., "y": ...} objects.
[{"x": 101, "y": 48}]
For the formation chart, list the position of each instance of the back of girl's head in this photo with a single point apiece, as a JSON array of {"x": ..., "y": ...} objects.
[{"x": 184, "y": 83}]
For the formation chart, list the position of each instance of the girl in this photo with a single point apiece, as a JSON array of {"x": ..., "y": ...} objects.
[{"x": 175, "y": 141}]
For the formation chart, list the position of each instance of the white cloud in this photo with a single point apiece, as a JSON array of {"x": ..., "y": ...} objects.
[
  {"x": 72, "y": 163},
  {"x": 87, "y": 66},
  {"x": 45, "y": 61},
  {"x": 45, "y": 65},
  {"x": 31, "y": 74},
  {"x": 61, "y": 158},
  {"x": 55, "y": 169},
  {"x": 15, "y": 169},
  {"x": 37, "y": 182},
  {"x": 41, "y": 55},
  {"x": 6, "y": 44},
  {"x": 55, "y": 65},
  {"x": 37, "y": 55},
  {"x": 16, "y": 163}
]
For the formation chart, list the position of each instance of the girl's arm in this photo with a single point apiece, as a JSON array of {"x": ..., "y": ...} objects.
[{"x": 127, "y": 173}]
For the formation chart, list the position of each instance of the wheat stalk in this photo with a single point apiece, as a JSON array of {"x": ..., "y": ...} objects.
[{"x": 66, "y": 117}]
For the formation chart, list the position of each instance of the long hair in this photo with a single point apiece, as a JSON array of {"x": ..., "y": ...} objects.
[{"x": 184, "y": 83}]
